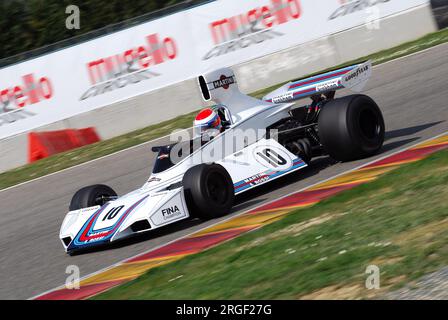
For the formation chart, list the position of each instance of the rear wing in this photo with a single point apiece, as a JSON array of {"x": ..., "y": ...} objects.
[{"x": 354, "y": 78}]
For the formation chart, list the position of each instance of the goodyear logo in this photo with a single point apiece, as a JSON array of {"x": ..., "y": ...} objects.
[{"x": 357, "y": 73}]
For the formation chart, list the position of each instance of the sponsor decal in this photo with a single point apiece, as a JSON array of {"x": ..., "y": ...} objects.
[
  {"x": 130, "y": 67},
  {"x": 252, "y": 27},
  {"x": 328, "y": 85},
  {"x": 283, "y": 98},
  {"x": 154, "y": 179},
  {"x": 97, "y": 235},
  {"x": 171, "y": 212},
  {"x": 266, "y": 176},
  {"x": 356, "y": 79},
  {"x": 31, "y": 91},
  {"x": 96, "y": 239},
  {"x": 257, "y": 179},
  {"x": 356, "y": 73},
  {"x": 350, "y": 6},
  {"x": 84, "y": 210},
  {"x": 224, "y": 82}
]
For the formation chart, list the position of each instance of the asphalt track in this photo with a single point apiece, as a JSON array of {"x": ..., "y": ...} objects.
[{"x": 412, "y": 93}]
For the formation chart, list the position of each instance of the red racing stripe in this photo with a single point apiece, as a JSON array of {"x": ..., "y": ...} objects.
[{"x": 302, "y": 83}]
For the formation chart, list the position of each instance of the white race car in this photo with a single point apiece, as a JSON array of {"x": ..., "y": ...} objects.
[{"x": 206, "y": 176}]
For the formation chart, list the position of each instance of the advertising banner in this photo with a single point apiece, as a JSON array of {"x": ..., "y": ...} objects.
[
  {"x": 94, "y": 74},
  {"x": 161, "y": 52},
  {"x": 237, "y": 33}
]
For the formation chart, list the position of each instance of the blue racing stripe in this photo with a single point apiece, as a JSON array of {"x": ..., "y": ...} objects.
[{"x": 270, "y": 174}]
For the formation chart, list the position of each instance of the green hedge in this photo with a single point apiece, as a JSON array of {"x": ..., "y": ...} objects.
[{"x": 30, "y": 24}]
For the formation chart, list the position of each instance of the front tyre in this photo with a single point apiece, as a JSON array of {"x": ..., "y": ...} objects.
[
  {"x": 90, "y": 196},
  {"x": 209, "y": 191},
  {"x": 351, "y": 127}
]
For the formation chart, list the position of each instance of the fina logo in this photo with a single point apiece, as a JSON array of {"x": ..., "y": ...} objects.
[{"x": 171, "y": 211}]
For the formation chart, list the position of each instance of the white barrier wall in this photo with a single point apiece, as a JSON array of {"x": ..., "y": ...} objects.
[
  {"x": 169, "y": 50},
  {"x": 152, "y": 106},
  {"x": 335, "y": 49}
]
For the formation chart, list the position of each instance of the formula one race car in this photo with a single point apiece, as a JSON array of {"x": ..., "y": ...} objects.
[{"x": 199, "y": 178}]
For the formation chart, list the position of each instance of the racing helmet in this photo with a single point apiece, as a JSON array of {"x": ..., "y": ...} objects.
[{"x": 207, "y": 122}]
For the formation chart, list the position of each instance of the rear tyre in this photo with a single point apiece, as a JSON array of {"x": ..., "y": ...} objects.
[
  {"x": 91, "y": 196},
  {"x": 209, "y": 191},
  {"x": 351, "y": 128}
]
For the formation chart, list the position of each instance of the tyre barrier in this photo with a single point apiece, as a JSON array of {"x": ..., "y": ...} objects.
[{"x": 44, "y": 144}]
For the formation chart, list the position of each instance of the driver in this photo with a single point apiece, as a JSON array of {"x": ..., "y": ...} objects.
[{"x": 207, "y": 124}]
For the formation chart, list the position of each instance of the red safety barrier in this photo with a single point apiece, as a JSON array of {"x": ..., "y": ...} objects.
[{"x": 45, "y": 144}]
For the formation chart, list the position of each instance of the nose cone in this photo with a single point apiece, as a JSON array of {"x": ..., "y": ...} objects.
[{"x": 104, "y": 223}]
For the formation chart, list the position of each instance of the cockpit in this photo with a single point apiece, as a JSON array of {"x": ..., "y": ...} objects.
[{"x": 165, "y": 154}]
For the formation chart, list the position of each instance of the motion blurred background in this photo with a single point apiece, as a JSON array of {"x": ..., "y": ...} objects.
[
  {"x": 128, "y": 75},
  {"x": 111, "y": 75}
]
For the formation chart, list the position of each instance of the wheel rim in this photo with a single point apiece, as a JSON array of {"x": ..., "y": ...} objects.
[{"x": 216, "y": 188}]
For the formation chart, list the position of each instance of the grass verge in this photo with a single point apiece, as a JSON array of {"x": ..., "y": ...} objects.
[
  {"x": 397, "y": 222},
  {"x": 87, "y": 153}
]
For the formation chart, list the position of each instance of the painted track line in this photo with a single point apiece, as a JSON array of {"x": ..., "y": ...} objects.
[{"x": 248, "y": 220}]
